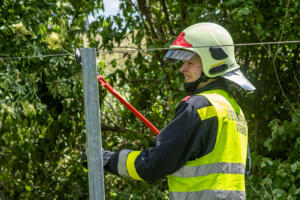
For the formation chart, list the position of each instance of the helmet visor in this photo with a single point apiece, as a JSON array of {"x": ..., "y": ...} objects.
[
  {"x": 174, "y": 55},
  {"x": 238, "y": 77}
]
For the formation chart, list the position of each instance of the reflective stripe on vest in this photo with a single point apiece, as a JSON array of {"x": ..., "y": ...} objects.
[
  {"x": 209, "y": 194},
  {"x": 220, "y": 173},
  {"x": 202, "y": 170}
]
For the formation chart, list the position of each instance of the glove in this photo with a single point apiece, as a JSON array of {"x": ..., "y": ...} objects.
[
  {"x": 106, "y": 155},
  {"x": 84, "y": 159}
]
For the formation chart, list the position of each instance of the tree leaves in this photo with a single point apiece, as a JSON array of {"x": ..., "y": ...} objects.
[{"x": 41, "y": 102}]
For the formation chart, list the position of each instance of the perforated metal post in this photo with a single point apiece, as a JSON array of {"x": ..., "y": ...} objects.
[{"x": 92, "y": 123}]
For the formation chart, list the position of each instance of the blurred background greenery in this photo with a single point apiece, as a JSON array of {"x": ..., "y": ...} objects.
[{"x": 42, "y": 130}]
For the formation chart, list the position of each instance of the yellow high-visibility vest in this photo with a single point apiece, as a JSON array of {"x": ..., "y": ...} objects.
[{"x": 220, "y": 173}]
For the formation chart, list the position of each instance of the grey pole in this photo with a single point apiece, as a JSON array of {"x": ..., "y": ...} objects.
[{"x": 92, "y": 123}]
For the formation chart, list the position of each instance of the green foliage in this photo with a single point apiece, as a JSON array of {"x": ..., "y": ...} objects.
[
  {"x": 276, "y": 175},
  {"x": 42, "y": 130},
  {"x": 124, "y": 189},
  {"x": 41, "y": 112}
]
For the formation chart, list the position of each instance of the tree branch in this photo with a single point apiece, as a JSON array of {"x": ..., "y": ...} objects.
[
  {"x": 145, "y": 11},
  {"x": 256, "y": 135},
  {"x": 274, "y": 58},
  {"x": 183, "y": 14},
  {"x": 295, "y": 61},
  {"x": 165, "y": 9},
  {"x": 117, "y": 129},
  {"x": 247, "y": 62},
  {"x": 296, "y": 79},
  {"x": 114, "y": 128},
  {"x": 143, "y": 21},
  {"x": 112, "y": 108}
]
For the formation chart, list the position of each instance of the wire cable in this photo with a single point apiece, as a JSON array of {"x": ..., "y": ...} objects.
[
  {"x": 133, "y": 49},
  {"x": 40, "y": 56}
]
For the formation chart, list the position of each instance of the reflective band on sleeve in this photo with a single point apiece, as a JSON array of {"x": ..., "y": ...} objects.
[
  {"x": 207, "y": 112},
  {"x": 202, "y": 170},
  {"x": 122, "y": 170},
  {"x": 130, "y": 165},
  {"x": 209, "y": 194}
]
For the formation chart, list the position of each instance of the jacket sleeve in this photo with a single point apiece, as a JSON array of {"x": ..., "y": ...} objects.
[{"x": 183, "y": 139}]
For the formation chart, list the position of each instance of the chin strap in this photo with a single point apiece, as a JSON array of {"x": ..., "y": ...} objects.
[{"x": 192, "y": 86}]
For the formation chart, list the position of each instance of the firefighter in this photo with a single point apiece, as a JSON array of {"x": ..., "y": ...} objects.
[{"x": 203, "y": 150}]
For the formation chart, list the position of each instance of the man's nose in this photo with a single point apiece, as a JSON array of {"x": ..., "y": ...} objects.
[{"x": 182, "y": 68}]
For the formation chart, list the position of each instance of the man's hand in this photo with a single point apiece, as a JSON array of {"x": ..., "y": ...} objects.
[
  {"x": 105, "y": 154},
  {"x": 84, "y": 159}
]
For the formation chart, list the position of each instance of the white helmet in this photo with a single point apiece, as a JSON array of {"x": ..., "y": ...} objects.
[{"x": 214, "y": 45}]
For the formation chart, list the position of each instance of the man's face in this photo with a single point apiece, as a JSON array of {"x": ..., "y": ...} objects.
[{"x": 191, "y": 69}]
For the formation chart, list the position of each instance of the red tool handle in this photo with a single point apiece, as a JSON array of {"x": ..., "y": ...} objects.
[{"x": 105, "y": 84}]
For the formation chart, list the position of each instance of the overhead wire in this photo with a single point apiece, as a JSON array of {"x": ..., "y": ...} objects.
[
  {"x": 38, "y": 56},
  {"x": 133, "y": 49}
]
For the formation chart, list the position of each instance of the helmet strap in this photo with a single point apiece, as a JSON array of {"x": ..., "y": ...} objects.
[{"x": 192, "y": 86}]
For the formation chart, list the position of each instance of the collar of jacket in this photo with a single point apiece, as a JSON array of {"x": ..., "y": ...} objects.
[{"x": 218, "y": 84}]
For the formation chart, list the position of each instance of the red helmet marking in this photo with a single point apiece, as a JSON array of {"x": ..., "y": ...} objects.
[
  {"x": 180, "y": 41},
  {"x": 185, "y": 98}
]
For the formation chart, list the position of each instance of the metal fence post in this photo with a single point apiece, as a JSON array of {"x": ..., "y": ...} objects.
[{"x": 92, "y": 123}]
